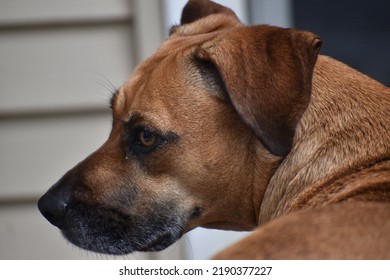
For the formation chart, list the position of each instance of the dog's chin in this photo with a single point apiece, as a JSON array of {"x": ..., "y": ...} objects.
[
  {"x": 122, "y": 246},
  {"x": 108, "y": 231}
]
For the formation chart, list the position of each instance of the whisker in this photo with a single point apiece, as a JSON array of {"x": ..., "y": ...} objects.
[{"x": 104, "y": 81}]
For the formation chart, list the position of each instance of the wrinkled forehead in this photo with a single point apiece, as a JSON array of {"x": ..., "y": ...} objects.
[
  {"x": 152, "y": 79},
  {"x": 162, "y": 75}
]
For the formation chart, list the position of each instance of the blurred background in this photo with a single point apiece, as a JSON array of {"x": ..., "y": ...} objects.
[{"x": 60, "y": 61}]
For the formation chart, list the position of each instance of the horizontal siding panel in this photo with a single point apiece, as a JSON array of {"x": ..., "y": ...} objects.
[
  {"x": 63, "y": 67},
  {"x": 36, "y": 152},
  {"x": 16, "y": 12}
]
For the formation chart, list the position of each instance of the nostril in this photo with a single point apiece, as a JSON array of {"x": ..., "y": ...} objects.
[{"x": 52, "y": 208}]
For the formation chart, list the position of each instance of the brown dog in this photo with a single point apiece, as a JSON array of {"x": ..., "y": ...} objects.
[{"x": 232, "y": 127}]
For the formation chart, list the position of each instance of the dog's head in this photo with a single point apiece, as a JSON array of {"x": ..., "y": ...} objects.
[{"x": 198, "y": 131}]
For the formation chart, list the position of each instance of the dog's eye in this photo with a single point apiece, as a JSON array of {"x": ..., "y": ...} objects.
[
  {"x": 140, "y": 140},
  {"x": 147, "y": 138}
]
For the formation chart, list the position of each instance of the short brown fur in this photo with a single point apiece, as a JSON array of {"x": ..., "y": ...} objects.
[{"x": 256, "y": 132}]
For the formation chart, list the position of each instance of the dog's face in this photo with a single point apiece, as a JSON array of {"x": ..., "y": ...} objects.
[{"x": 187, "y": 147}]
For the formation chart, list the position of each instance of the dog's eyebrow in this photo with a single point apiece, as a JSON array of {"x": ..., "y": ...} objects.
[{"x": 134, "y": 119}]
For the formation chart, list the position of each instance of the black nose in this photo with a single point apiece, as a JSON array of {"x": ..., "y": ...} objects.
[{"x": 54, "y": 204}]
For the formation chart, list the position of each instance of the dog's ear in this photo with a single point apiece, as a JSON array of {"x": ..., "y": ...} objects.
[
  {"x": 267, "y": 73},
  {"x": 197, "y": 9}
]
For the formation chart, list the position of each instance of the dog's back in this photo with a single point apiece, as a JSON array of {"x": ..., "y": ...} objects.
[{"x": 352, "y": 230}]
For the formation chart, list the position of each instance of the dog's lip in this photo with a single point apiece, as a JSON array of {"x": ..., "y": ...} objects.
[
  {"x": 160, "y": 243},
  {"x": 80, "y": 232}
]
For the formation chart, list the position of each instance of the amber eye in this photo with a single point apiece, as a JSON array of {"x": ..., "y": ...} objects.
[
  {"x": 142, "y": 140},
  {"x": 147, "y": 138}
]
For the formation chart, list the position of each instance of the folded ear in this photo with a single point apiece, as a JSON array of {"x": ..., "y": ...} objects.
[
  {"x": 267, "y": 73},
  {"x": 197, "y": 9}
]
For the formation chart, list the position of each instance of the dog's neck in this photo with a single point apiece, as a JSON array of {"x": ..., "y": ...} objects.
[{"x": 334, "y": 137}]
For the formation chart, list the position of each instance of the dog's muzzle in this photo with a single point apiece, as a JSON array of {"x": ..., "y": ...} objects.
[{"x": 104, "y": 228}]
